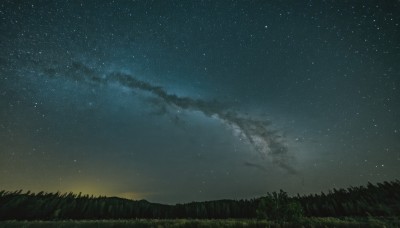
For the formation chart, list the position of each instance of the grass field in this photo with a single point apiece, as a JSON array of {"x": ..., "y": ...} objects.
[{"x": 306, "y": 222}]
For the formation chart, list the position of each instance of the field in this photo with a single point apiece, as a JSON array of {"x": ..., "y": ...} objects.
[{"x": 306, "y": 222}]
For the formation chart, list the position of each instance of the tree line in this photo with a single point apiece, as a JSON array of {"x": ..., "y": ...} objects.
[{"x": 382, "y": 199}]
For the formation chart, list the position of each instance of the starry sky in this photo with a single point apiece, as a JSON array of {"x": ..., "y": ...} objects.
[{"x": 178, "y": 101}]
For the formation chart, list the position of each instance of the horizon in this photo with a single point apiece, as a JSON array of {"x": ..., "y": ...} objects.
[{"x": 82, "y": 194}]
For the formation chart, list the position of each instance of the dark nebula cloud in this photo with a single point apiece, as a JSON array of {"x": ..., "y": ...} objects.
[{"x": 256, "y": 166}]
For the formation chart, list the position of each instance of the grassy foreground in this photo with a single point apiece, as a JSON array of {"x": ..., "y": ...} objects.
[{"x": 305, "y": 222}]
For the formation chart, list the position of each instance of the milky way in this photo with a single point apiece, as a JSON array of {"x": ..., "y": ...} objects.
[{"x": 266, "y": 141}]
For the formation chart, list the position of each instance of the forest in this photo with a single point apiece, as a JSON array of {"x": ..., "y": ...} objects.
[{"x": 382, "y": 199}]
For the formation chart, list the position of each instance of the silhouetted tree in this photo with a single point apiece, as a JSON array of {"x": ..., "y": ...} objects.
[{"x": 382, "y": 199}]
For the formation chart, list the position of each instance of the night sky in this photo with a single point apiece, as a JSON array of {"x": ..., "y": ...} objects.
[{"x": 178, "y": 101}]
